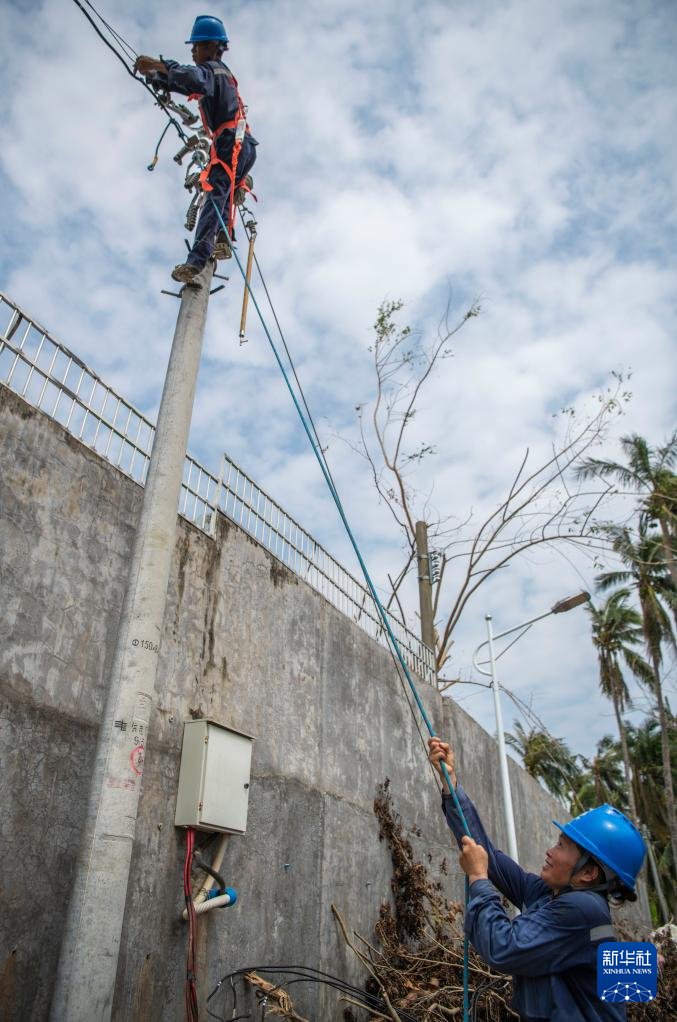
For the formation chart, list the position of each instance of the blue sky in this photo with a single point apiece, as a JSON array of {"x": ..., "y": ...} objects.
[{"x": 520, "y": 151}]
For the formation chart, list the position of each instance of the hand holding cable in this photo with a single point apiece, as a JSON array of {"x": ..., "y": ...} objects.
[{"x": 149, "y": 66}]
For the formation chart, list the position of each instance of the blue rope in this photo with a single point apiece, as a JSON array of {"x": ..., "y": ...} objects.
[{"x": 381, "y": 609}]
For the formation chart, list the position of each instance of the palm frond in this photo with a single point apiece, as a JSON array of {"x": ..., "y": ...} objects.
[
  {"x": 639, "y": 455},
  {"x": 598, "y": 468},
  {"x": 608, "y": 579},
  {"x": 638, "y": 666}
]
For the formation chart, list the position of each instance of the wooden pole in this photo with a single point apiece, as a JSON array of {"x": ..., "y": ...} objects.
[{"x": 425, "y": 588}]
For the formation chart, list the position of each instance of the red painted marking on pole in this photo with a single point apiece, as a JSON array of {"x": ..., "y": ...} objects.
[
  {"x": 136, "y": 759},
  {"x": 129, "y": 784}
]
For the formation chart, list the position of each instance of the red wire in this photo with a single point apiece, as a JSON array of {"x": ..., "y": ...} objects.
[{"x": 192, "y": 1011}]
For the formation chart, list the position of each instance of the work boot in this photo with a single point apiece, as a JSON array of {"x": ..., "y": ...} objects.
[
  {"x": 222, "y": 249},
  {"x": 186, "y": 273}
]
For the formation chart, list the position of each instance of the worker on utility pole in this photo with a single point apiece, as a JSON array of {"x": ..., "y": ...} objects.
[
  {"x": 550, "y": 949},
  {"x": 233, "y": 148}
]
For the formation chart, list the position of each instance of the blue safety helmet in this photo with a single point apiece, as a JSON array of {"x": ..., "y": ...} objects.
[
  {"x": 208, "y": 29},
  {"x": 610, "y": 838}
]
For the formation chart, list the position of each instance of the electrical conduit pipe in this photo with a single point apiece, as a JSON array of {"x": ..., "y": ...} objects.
[
  {"x": 206, "y": 899},
  {"x": 209, "y": 881},
  {"x": 213, "y": 900}
]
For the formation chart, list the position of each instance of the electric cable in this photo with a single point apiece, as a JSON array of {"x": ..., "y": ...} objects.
[
  {"x": 129, "y": 49},
  {"x": 287, "y": 352},
  {"x": 128, "y": 69},
  {"x": 151, "y": 165},
  {"x": 301, "y": 974},
  {"x": 372, "y": 589},
  {"x": 199, "y": 861},
  {"x": 191, "y": 1001},
  {"x": 326, "y": 464},
  {"x": 106, "y": 41},
  {"x": 337, "y": 500}
]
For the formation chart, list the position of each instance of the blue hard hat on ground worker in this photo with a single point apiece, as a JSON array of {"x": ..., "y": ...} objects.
[
  {"x": 208, "y": 29},
  {"x": 611, "y": 839}
]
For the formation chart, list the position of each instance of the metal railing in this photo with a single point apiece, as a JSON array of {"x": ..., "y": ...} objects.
[{"x": 50, "y": 377}]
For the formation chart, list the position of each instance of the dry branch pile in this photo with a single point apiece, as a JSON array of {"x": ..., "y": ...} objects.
[
  {"x": 664, "y": 1008},
  {"x": 418, "y": 964}
]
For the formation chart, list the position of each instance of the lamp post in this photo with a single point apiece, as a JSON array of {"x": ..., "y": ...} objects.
[{"x": 561, "y": 607}]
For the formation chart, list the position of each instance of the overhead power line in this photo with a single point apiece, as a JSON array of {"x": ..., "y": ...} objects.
[{"x": 129, "y": 69}]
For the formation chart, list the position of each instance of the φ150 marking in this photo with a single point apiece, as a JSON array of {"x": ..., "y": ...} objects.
[{"x": 146, "y": 644}]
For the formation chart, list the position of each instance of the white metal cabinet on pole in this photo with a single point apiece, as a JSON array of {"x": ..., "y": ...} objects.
[{"x": 213, "y": 792}]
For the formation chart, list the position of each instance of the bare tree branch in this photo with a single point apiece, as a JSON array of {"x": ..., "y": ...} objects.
[{"x": 545, "y": 504}]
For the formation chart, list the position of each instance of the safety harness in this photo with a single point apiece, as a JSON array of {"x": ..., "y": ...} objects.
[{"x": 240, "y": 126}]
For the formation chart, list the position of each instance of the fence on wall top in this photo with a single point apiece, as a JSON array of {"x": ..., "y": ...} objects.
[{"x": 50, "y": 377}]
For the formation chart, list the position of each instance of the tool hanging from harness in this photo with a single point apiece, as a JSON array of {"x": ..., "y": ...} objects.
[{"x": 240, "y": 126}]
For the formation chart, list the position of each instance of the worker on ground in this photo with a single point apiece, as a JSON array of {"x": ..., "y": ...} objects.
[
  {"x": 212, "y": 83},
  {"x": 550, "y": 949}
]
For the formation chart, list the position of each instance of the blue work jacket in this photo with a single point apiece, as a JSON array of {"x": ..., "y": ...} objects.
[
  {"x": 216, "y": 86},
  {"x": 551, "y": 948}
]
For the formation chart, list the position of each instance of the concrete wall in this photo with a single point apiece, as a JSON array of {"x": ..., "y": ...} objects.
[{"x": 246, "y": 643}]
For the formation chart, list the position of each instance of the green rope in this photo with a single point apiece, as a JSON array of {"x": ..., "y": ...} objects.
[{"x": 381, "y": 609}]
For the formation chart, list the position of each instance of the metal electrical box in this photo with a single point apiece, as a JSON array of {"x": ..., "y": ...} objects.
[{"x": 214, "y": 778}]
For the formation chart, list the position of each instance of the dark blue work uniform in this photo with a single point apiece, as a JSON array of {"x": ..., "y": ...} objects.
[
  {"x": 215, "y": 83},
  {"x": 551, "y": 948}
]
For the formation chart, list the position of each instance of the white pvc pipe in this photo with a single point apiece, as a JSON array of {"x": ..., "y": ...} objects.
[{"x": 207, "y": 906}]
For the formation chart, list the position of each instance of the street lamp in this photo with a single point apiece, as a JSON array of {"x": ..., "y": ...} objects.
[{"x": 561, "y": 607}]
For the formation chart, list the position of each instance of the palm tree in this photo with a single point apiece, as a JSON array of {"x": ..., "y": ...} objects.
[
  {"x": 648, "y": 471},
  {"x": 616, "y": 629},
  {"x": 644, "y": 741},
  {"x": 603, "y": 779},
  {"x": 645, "y": 574},
  {"x": 546, "y": 758}
]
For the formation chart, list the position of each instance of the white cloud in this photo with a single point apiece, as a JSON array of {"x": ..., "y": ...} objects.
[{"x": 517, "y": 151}]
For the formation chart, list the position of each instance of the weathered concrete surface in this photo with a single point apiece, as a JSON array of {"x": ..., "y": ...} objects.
[{"x": 246, "y": 643}]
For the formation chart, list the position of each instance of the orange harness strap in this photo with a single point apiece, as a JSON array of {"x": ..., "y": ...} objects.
[{"x": 231, "y": 171}]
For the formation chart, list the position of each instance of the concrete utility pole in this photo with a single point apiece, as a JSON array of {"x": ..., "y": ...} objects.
[
  {"x": 425, "y": 588},
  {"x": 89, "y": 952}
]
